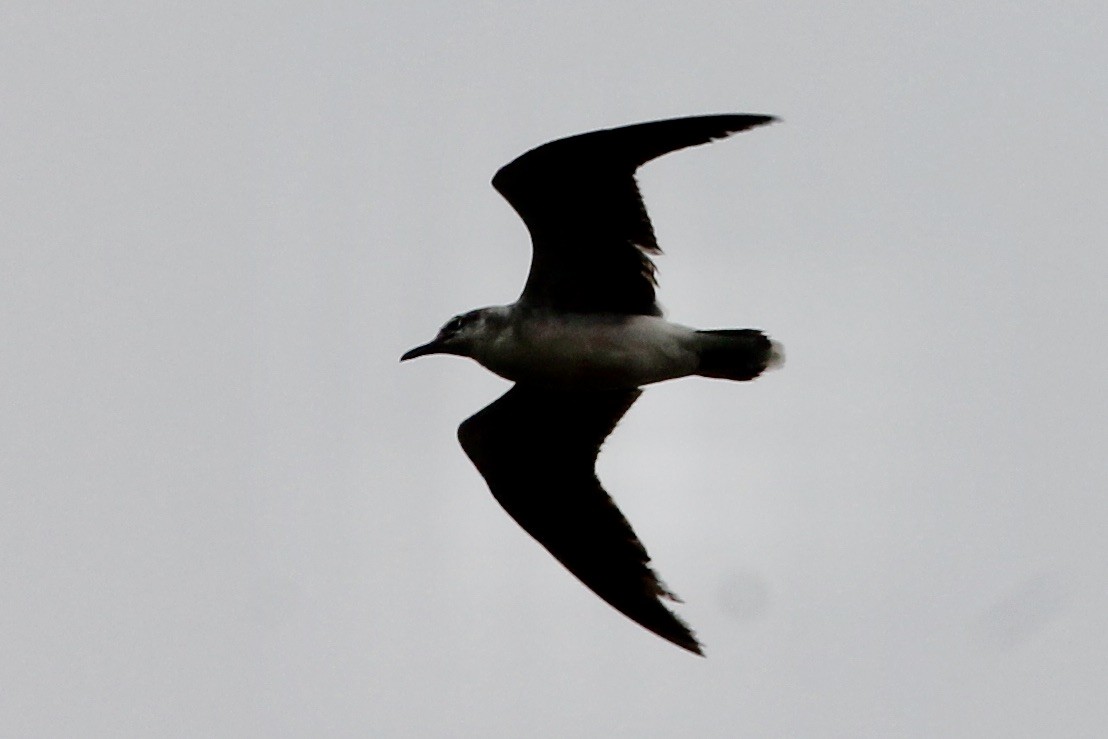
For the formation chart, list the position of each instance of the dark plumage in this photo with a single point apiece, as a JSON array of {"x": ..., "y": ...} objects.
[
  {"x": 537, "y": 449},
  {"x": 590, "y": 234}
]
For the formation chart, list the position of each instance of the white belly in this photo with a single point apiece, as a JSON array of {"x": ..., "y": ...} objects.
[{"x": 592, "y": 352}]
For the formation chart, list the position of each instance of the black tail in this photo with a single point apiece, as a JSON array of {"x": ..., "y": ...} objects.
[{"x": 737, "y": 353}]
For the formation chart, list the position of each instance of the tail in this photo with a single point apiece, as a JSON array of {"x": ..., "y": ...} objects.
[{"x": 737, "y": 353}]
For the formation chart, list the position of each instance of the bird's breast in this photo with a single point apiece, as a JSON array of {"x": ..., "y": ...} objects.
[{"x": 591, "y": 351}]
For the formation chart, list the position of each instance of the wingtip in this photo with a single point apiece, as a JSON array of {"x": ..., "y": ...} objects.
[
  {"x": 753, "y": 120},
  {"x": 733, "y": 123},
  {"x": 669, "y": 626},
  {"x": 686, "y": 641}
]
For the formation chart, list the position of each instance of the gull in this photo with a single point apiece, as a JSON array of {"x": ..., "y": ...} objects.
[{"x": 579, "y": 343}]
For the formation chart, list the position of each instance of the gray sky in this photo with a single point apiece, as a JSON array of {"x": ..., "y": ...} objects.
[{"x": 228, "y": 511}]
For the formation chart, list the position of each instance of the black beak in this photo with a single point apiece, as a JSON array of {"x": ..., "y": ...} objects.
[{"x": 432, "y": 347}]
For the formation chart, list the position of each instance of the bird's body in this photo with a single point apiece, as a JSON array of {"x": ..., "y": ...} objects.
[
  {"x": 583, "y": 338},
  {"x": 587, "y": 351}
]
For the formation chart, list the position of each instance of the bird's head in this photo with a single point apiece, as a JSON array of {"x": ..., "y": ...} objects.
[{"x": 463, "y": 333}]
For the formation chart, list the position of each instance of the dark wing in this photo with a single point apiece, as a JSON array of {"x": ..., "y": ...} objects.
[
  {"x": 591, "y": 236},
  {"x": 537, "y": 448}
]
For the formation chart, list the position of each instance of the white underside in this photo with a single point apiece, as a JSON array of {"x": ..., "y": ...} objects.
[{"x": 591, "y": 351}]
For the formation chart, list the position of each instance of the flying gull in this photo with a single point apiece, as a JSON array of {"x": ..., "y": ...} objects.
[{"x": 582, "y": 339}]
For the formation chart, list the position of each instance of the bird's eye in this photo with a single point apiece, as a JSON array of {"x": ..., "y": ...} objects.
[{"x": 453, "y": 324}]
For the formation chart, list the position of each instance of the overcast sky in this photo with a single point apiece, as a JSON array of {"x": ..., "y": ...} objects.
[{"x": 226, "y": 510}]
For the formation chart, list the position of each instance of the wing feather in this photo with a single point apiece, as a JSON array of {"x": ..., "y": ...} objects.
[
  {"x": 536, "y": 449},
  {"x": 591, "y": 236}
]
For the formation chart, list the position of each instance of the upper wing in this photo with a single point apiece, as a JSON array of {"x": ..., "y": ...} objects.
[
  {"x": 591, "y": 236},
  {"x": 536, "y": 448}
]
